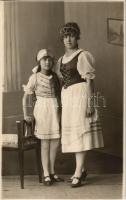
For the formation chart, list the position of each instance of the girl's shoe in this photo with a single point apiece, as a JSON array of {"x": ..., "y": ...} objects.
[
  {"x": 70, "y": 180},
  {"x": 78, "y": 182},
  {"x": 55, "y": 178},
  {"x": 47, "y": 181}
]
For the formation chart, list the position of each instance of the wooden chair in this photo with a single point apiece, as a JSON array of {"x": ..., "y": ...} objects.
[{"x": 23, "y": 141}]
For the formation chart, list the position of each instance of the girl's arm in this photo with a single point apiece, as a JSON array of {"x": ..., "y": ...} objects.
[
  {"x": 28, "y": 93},
  {"x": 26, "y": 105}
]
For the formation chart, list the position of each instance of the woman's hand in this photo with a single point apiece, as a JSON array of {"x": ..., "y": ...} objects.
[{"x": 90, "y": 111}]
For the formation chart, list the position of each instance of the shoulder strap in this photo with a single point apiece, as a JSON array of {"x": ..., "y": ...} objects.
[{"x": 79, "y": 53}]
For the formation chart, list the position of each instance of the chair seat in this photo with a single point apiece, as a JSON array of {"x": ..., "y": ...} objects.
[
  {"x": 22, "y": 141},
  {"x": 10, "y": 140}
]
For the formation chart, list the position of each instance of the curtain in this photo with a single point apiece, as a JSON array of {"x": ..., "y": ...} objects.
[{"x": 12, "y": 75}]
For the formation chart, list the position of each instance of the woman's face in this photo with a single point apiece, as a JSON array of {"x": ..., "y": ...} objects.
[
  {"x": 70, "y": 41},
  {"x": 46, "y": 63}
]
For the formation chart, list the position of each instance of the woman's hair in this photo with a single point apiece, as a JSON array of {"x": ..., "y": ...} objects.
[{"x": 70, "y": 28}]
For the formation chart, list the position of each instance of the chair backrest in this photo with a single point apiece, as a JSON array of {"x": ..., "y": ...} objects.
[
  {"x": 25, "y": 131},
  {"x": 28, "y": 128},
  {"x": 25, "y": 128}
]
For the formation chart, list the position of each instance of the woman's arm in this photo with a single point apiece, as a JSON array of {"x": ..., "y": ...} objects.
[
  {"x": 90, "y": 93},
  {"x": 57, "y": 71},
  {"x": 90, "y": 86},
  {"x": 86, "y": 70}
]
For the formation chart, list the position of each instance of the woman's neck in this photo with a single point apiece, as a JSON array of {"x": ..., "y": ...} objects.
[
  {"x": 68, "y": 52},
  {"x": 45, "y": 72}
]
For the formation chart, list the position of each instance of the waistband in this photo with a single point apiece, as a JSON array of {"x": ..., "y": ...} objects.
[
  {"x": 66, "y": 85},
  {"x": 45, "y": 96}
]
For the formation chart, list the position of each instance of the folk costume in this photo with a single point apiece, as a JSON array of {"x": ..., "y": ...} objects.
[
  {"x": 46, "y": 109},
  {"x": 79, "y": 132}
]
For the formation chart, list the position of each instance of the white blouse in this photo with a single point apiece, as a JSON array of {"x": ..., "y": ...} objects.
[
  {"x": 84, "y": 65},
  {"x": 43, "y": 85},
  {"x": 30, "y": 87}
]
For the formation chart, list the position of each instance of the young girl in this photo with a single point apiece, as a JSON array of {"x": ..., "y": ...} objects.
[
  {"x": 45, "y": 84},
  {"x": 81, "y": 130}
]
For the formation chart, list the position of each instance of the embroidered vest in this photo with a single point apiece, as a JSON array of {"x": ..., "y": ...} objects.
[
  {"x": 49, "y": 88},
  {"x": 70, "y": 73}
]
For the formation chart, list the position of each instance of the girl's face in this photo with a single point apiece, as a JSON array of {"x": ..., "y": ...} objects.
[
  {"x": 70, "y": 41},
  {"x": 46, "y": 63}
]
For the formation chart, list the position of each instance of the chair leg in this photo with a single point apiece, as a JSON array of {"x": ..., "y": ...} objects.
[
  {"x": 39, "y": 164},
  {"x": 21, "y": 168}
]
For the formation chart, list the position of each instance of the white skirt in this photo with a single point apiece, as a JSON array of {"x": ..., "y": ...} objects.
[
  {"x": 79, "y": 132},
  {"x": 46, "y": 113}
]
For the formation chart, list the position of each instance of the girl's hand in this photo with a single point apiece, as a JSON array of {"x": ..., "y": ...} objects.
[
  {"x": 28, "y": 118},
  {"x": 90, "y": 111}
]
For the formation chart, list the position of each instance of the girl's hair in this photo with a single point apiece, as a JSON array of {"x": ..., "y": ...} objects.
[
  {"x": 39, "y": 66},
  {"x": 70, "y": 28}
]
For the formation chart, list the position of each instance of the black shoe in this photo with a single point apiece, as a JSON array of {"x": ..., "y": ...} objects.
[
  {"x": 55, "y": 178},
  {"x": 84, "y": 175},
  {"x": 78, "y": 184},
  {"x": 47, "y": 181}
]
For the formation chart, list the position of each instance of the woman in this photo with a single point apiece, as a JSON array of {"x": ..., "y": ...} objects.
[{"x": 81, "y": 129}]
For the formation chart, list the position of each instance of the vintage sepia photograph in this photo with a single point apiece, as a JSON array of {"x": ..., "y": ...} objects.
[{"x": 62, "y": 99}]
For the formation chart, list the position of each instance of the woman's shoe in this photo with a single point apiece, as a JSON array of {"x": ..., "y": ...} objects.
[
  {"x": 78, "y": 182},
  {"x": 84, "y": 175},
  {"x": 55, "y": 178},
  {"x": 47, "y": 181}
]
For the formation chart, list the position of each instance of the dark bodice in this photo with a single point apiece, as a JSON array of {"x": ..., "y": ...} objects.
[{"x": 70, "y": 73}]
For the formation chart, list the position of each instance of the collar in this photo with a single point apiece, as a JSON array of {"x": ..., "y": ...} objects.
[
  {"x": 66, "y": 59},
  {"x": 44, "y": 76},
  {"x": 34, "y": 70}
]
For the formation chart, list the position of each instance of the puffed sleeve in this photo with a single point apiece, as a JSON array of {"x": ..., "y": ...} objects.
[
  {"x": 57, "y": 69},
  {"x": 85, "y": 65},
  {"x": 30, "y": 87}
]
